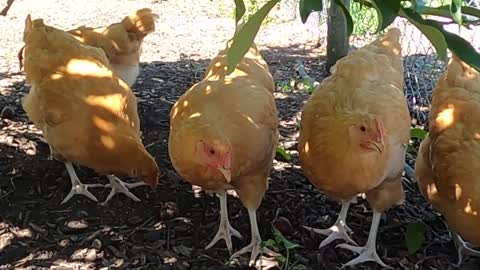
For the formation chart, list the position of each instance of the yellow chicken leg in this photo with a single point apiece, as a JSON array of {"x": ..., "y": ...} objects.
[
  {"x": 118, "y": 186},
  {"x": 339, "y": 230},
  {"x": 255, "y": 245},
  {"x": 369, "y": 251},
  {"x": 463, "y": 248},
  {"x": 225, "y": 230},
  {"x": 77, "y": 186}
]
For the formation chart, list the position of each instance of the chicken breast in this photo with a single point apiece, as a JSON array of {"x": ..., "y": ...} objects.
[{"x": 354, "y": 132}]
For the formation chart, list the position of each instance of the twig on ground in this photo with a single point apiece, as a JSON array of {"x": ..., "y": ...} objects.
[
  {"x": 5, "y": 9},
  {"x": 300, "y": 69}
]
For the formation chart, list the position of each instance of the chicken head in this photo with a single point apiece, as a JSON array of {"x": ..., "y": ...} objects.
[
  {"x": 216, "y": 155},
  {"x": 368, "y": 134}
]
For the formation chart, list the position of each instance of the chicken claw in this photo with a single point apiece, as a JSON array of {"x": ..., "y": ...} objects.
[
  {"x": 255, "y": 245},
  {"x": 225, "y": 230},
  {"x": 77, "y": 186},
  {"x": 118, "y": 186},
  {"x": 367, "y": 252},
  {"x": 339, "y": 230},
  {"x": 463, "y": 248}
]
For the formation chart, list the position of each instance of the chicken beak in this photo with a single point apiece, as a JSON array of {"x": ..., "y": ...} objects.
[
  {"x": 378, "y": 146},
  {"x": 227, "y": 173}
]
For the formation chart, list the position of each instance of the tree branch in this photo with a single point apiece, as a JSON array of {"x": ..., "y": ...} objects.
[
  {"x": 300, "y": 69},
  {"x": 5, "y": 9}
]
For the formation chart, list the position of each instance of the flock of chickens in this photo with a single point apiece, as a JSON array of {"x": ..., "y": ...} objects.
[{"x": 224, "y": 130}]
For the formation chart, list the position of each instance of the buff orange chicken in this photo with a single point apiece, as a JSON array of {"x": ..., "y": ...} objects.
[
  {"x": 87, "y": 114},
  {"x": 223, "y": 135},
  {"x": 122, "y": 42},
  {"x": 449, "y": 157},
  {"x": 353, "y": 135}
]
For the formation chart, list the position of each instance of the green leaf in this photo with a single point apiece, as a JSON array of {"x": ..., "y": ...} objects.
[
  {"x": 444, "y": 11},
  {"x": 348, "y": 17},
  {"x": 281, "y": 239},
  {"x": 283, "y": 153},
  {"x": 418, "y": 133},
  {"x": 463, "y": 49},
  {"x": 433, "y": 34},
  {"x": 387, "y": 11},
  {"x": 243, "y": 39},
  {"x": 456, "y": 10},
  {"x": 415, "y": 237},
  {"x": 269, "y": 243},
  {"x": 308, "y": 6},
  {"x": 239, "y": 10}
]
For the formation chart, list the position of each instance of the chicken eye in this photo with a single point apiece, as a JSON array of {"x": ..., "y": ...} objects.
[
  {"x": 363, "y": 129},
  {"x": 212, "y": 152}
]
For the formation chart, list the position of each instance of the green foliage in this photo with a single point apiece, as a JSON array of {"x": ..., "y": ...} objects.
[
  {"x": 307, "y": 6},
  {"x": 387, "y": 11},
  {"x": 244, "y": 37},
  {"x": 456, "y": 10},
  {"x": 239, "y": 10},
  {"x": 415, "y": 237},
  {"x": 364, "y": 18},
  {"x": 283, "y": 153},
  {"x": 286, "y": 85},
  {"x": 418, "y": 133},
  {"x": 280, "y": 243}
]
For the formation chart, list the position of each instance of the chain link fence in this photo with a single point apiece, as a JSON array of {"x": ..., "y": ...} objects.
[{"x": 421, "y": 66}]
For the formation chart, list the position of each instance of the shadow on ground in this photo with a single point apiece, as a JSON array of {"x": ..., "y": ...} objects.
[{"x": 170, "y": 227}]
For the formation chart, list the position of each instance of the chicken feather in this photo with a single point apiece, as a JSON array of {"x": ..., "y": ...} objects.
[
  {"x": 122, "y": 41},
  {"x": 87, "y": 114},
  {"x": 223, "y": 135},
  {"x": 354, "y": 132},
  {"x": 449, "y": 156}
]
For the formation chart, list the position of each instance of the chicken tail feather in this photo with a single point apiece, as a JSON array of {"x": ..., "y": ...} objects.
[
  {"x": 142, "y": 22},
  {"x": 459, "y": 73},
  {"x": 391, "y": 41}
]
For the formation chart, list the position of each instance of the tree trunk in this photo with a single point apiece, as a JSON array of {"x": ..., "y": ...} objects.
[{"x": 337, "y": 41}]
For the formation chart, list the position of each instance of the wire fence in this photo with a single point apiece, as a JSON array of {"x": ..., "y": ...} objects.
[{"x": 421, "y": 66}]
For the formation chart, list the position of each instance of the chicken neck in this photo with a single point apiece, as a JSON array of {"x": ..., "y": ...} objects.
[
  {"x": 369, "y": 251},
  {"x": 225, "y": 230},
  {"x": 77, "y": 186},
  {"x": 339, "y": 229}
]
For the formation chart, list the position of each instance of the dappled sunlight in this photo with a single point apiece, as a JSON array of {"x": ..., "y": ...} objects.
[
  {"x": 107, "y": 141},
  {"x": 9, "y": 233},
  {"x": 109, "y": 102},
  {"x": 468, "y": 208},
  {"x": 103, "y": 125},
  {"x": 17, "y": 135},
  {"x": 249, "y": 119},
  {"x": 446, "y": 117},
  {"x": 195, "y": 115},
  {"x": 84, "y": 67},
  {"x": 458, "y": 192}
]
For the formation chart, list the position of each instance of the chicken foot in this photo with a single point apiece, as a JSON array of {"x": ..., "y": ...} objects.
[
  {"x": 463, "y": 248},
  {"x": 339, "y": 230},
  {"x": 118, "y": 186},
  {"x": 225, "y": 230},
  {"x": 77, "y": 186},
  {"x": 369, "y": 251},
  {"x": 255, "y": 245}
]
